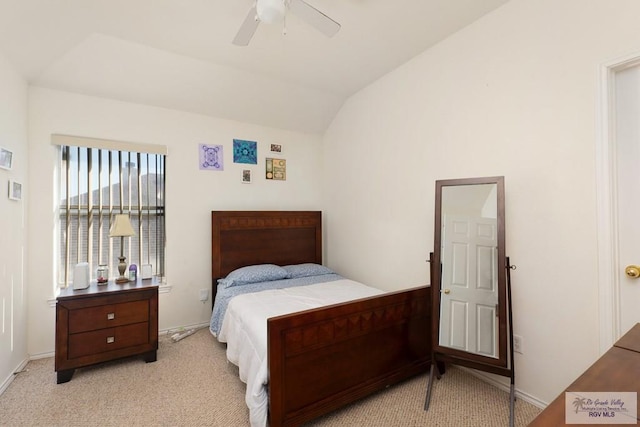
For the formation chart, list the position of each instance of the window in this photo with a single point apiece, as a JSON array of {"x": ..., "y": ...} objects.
[{"x": 96, "y": 184}]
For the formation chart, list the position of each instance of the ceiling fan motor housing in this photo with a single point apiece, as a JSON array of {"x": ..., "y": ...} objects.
[
  {"x": 274, "y": 11},
  {"x": 271, "y": 11}
]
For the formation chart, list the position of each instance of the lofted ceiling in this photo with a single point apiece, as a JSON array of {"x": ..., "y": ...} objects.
[{"x": 178, "y": 53}]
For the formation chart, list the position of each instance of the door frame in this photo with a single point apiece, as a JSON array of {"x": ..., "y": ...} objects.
[{"x": 607, "y": 202}]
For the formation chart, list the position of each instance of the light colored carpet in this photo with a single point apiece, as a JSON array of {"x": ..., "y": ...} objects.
[{"x": 192, "y": 384}]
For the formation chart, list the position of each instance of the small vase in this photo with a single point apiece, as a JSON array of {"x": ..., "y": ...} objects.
[{"x": 103, "y": 274}]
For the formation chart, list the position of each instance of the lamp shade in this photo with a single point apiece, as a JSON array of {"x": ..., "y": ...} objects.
[
  {"x": 271, "y": 11},
  {"x": 121, "y": 227}
]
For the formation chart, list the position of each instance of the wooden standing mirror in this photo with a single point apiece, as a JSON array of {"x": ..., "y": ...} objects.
[{"x": 470, "y": 279}]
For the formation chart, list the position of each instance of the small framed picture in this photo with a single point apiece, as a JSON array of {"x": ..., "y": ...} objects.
[
  {"x": 15, "y": 190},
  {"x": 246, "y": 176},
  {"x": 276, "y": 148},
  {"x": 6, "y": 158}
]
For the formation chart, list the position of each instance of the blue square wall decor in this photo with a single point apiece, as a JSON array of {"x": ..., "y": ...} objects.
[{"x": 245, "y": 152}]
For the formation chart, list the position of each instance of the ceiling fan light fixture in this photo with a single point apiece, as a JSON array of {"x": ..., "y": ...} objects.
[
  {"x": 271, "y": 11},
  {"x": 275, "y": 11}
]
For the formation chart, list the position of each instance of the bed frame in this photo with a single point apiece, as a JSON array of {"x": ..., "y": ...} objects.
[{"x": 324, "y": 358}]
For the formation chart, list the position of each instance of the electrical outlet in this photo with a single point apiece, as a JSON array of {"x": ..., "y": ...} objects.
[
  {"x": 518, "y": 344},
  {"x": 204, "y": 294}
]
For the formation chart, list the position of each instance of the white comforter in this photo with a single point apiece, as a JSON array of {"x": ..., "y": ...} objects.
[{"x": 244, "y": 329}]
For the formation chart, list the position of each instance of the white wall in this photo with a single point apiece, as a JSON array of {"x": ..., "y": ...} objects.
[
  {"x": 13, "y": 240},
  {"x": 513, "y": 94},
  {"x": 191, "y": 193}
]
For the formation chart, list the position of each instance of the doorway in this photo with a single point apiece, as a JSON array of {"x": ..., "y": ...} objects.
[{"x": 618, "y": 180}]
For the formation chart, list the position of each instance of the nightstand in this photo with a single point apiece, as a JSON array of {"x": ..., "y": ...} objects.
[{"x": 105, "y": 322}]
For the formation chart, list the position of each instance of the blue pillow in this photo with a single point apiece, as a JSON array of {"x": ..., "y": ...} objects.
[
  {"x": 253, "y": 274},
  {"x": 306, "y": 270}
]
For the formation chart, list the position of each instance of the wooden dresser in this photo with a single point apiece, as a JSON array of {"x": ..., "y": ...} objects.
[
  {"x": 618, "y": 370},
  {"x": 105, "y": 322}
]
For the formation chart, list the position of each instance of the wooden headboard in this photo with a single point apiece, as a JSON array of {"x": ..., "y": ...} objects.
[{"x": 240, "y": 238}]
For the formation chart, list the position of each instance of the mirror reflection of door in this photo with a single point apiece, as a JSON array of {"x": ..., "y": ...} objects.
[{"x": 469, "y": 286}]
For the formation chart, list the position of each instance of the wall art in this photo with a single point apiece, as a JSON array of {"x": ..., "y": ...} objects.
[
  {"x": 246, "y": 176},
  {"x": 6, "y": 158},
  {"x": 276, "y": 169},
  {"x": 276, "y": 148},
  {"x": 15, "y": 190},
  {"x": 211, "y": 157},
  {"x": 245, "y": 152}
]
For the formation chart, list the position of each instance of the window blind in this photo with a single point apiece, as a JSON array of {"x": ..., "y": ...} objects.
[{"x": 96, "y": 183}]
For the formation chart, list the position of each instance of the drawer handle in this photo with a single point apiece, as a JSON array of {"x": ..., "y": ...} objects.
[
  {"x": 111, "y": 340},
  {"x": 111, "y": 316}
]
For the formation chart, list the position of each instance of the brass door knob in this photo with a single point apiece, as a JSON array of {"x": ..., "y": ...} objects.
[
  {"x": 446, "y": 291},
  {"x": 632, "y": 271}
]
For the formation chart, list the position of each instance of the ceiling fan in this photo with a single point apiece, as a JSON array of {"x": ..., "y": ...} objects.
[{"x": 273, "y": 11}]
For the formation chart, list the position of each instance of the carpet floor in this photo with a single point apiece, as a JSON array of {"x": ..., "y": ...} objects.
[{"x": 192, "y": 384}]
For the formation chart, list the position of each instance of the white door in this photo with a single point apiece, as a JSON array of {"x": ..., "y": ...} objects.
[
  {"x": 627, "y": 142},
  {"x": 469, "y": 291}
]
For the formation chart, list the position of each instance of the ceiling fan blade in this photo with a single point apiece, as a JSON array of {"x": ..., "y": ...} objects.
[
  {"x": 314, "y": 17},
  {"x": 247, "y": 29}
]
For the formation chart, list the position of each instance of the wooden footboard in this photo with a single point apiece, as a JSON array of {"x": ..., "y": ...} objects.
[{"x": 325, "y": 358}]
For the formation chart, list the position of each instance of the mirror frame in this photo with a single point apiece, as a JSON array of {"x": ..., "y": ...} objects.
[{"x": 459, "y": 356}]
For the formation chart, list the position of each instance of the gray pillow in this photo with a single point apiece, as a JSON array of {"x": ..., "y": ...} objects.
[
  {"x": 254, "y": 274},
  {"x": 305, "y": 270}
]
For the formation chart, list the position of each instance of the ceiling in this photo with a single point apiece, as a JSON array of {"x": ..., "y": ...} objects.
[{"x": 178, "y": 54}]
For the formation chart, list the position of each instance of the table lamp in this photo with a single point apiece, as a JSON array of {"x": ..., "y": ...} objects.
[{"x": 122, "y": 228}]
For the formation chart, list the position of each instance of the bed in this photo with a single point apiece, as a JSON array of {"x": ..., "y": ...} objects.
[{"x": 321, "y": 359}]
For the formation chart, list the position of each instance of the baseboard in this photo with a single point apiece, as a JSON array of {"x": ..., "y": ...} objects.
[
  {"x": 502, "y": 386},
  {"x": 42, "y": 355},
  {"x": 12, "y": 376}
]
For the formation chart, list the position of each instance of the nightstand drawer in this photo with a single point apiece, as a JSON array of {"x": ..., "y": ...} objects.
[
  {"x": 104, "y": 340},
  {"x": 108, "y": 316}
]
